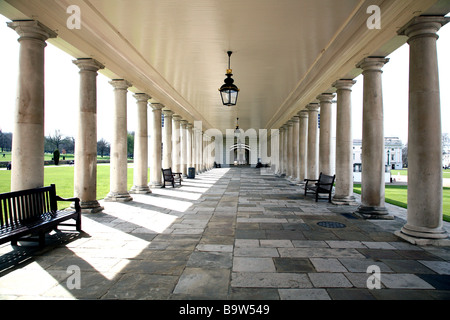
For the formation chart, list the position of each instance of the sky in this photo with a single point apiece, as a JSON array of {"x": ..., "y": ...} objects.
[{"x": 62, "y": 83}]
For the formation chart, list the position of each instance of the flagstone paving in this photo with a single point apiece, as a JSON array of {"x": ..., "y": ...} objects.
[{"x": 230, "y": 233}]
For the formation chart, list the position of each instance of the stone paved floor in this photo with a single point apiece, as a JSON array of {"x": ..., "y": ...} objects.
[{"x": 231, "y": 233}]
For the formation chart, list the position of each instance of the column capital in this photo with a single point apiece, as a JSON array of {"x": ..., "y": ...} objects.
[
  {"x": 423, "y": 26},
  {"x": 313, "y": 107},
  {"x": 325, "y": 97},
  {"x": 120, "y": 84},
  {"x": 344, "y": 84},
  {"x": 372, "y": 63},
  {"x": 303, "y": 113},
  {"x": 88, "y": 64},
  {"x": 176, "y": 117},
  {"x": 142, "y": 97},
  {"x": 184, "y": 123},
  {"x": 167, "y": 113},
  {"x": 156, "y": 106},
  {"x": 295, "y": 119},
  {"x": 31, "y": 29}
]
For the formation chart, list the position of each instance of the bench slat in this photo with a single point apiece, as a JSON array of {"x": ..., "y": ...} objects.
[{"x": 33, "y": 211}]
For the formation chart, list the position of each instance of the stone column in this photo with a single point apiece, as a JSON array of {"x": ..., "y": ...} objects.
[
  {"x": 140, "y": 172},
  {"x": 176, "y": 143},
  {"x": 85, "y": 173},
  {"x": 189, "y": 150},
  {"x": 195, "y": 149},
  {"x": 118, "y": 161},
  {"x": 203, "y": 151},
  {"x": 289, "y": 148},
  {"x": 281, "y": 150},
  {"x": 424, "y": 219},
  {"x": 313, "y": 141},
  {"x": 275, "y": 137},
  {"x": 199, "y": 150},
  {"x": 285, "y": 149},
  {"x": 28, "y": 142},
  {"x": 183, "y": 144},
  {"x": 325, "y": 133},
  {"x": 373, "y": 153},
  {"x": 167, "y": 139},
  {"x": 303, "y": 145},
  {"x": 295, "y": 145},
  {"x": 155, "y": 160},
  {"x": 344, "y": 144}
]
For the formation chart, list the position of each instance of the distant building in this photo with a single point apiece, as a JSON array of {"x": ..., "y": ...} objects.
[
  {"x": 393, "y": 148},
  {"x": 393, "y": 156}
]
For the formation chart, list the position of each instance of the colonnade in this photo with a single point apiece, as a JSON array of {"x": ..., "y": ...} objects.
[
  {"x": 305, "y": 149},
  {"x": 304, "y": 155},
  {"x": 184, "y": 145}
]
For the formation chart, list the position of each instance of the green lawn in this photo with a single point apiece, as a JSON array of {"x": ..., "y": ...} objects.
[
  {"x": 397, "y": 195},
  {"x": 62, "y": 177},
  {"x": 6, "y": 156},
  {"x": 404, "y": 172}
]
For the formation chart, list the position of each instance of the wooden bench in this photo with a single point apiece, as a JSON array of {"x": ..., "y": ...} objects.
[
  {"x": 34, "y": 212},
  {"x": 172, "y": 177},
  {"x": 322, "y": 185}
]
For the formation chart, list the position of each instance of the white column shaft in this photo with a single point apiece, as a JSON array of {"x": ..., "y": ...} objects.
[
  {"x": 373, "y": 153},
  {"x": 140, "y": 171},
  {"x": 85, "y": 173},
  {"x": 167, "y": 139},
  {"x": 156, "y": 158},
  {"x": 313, "y": 141},
  {"x": 118, "y": 159},
  {"x": 325, "y": 133},
  {"x": 344, "y": 144},
  {"x": 28, "y": 142},
  {"x": 424, "y": 219},
  {"x": 303, "y": 145}
]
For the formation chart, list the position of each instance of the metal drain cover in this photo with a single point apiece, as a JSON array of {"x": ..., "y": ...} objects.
[{"x": 331, "y": 224}]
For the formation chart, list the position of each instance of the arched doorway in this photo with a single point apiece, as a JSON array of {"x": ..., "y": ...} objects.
[{"x": 240, "y": 154}]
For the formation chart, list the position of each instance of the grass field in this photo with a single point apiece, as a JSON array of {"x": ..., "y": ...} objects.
[
  {"x": 397, "y": 195},
  {"x": 6, "y": 156},
  {"x": 404, "y": 172},
  {"x": 62, "y": 177}
]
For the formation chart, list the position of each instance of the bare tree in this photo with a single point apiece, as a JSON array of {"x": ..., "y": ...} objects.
[
  {"x": 102, "y": 146},
  {"x": 55, "y": 140}
]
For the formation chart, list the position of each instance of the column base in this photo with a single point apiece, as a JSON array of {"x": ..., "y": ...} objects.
[
  {"x": 424, "y": 236},
  {"x": 118, "y": 197},
  {"x": 153, "y": 185},
  {"x": 89, "y": 206},
  {"x": 344, "y": 200},
  {"x": 423, "y": 239},
  {"x": 140, "y": 190},
  {"x": 373, "y": 212}
]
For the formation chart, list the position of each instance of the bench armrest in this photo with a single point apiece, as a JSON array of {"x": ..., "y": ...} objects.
[
  {"x": 308, "y": 181},
  {"x": 76, "y": 200}
]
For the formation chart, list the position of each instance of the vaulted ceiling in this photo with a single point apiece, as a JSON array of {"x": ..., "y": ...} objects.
[{"x": 285, "y": 52}]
